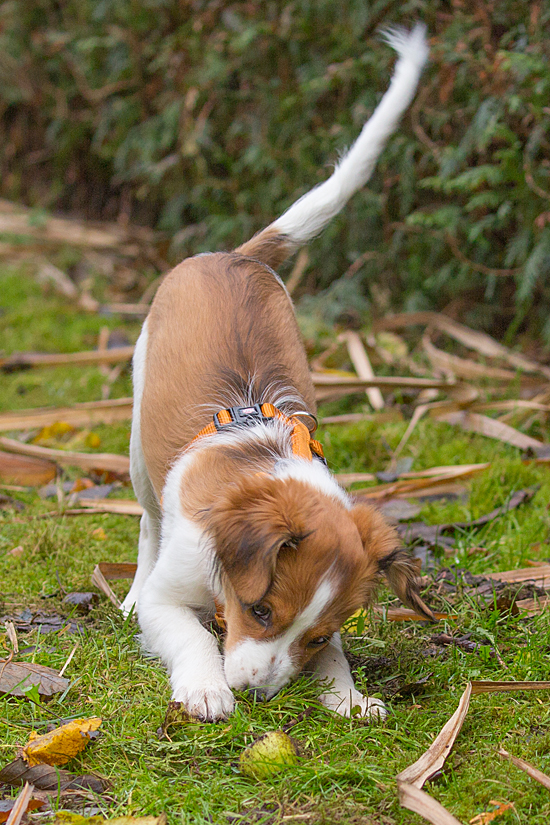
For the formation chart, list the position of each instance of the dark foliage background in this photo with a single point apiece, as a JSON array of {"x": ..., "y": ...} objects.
[{"x": 206, "y": 119}]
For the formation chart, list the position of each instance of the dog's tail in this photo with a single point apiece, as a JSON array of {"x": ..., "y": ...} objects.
[{"x": 311, "y": 213}]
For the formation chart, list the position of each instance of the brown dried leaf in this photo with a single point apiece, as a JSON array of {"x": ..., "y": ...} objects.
[
  {"x": 105, "y": 571},
  {"x": 119, "y": 464},
  {"x": 539, "y": 575},
  {"x": 433, "y": 759},
  {"x": 60, "y": 744},
  {"x": 533, "y": 772},
  {"x": 48, "y": 778},
  {"x": 478, "y": 341},
  {"x": 79, "y": 415},
  {"x": 7, "y": 805},
  {"x": 17, "y": 677},
  {"x": 488, "y": 816},
  {"x": 24, "y": 360},
  {"x": 414, "y": 799},
  {"x": 490, "y": 427},
  {"x": 362, "y": 366},
  {"x": 126, "y": 507},
  {"x": 463, "y": 367},
  {"x": 20, "y": 806},
  {"x": 32, "y": 472}
]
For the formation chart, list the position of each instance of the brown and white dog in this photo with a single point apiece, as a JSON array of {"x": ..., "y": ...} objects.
[{"x": 244, "y": 517}]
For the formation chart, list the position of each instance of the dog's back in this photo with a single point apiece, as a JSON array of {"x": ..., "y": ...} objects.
[{"x": 221, "y": 333}]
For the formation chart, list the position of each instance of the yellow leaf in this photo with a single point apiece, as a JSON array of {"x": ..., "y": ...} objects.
[
  {"x": 54, "y": 432},
  {"x": 99, "y": 534},
  {"x": 61, "y": 744},
  {"x": 92, "y": 440}
]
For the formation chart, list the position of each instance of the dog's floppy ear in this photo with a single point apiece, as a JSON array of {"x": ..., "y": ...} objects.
[
  {"x": 250, "y": 524},
  {"x": 382, "y": 545}
]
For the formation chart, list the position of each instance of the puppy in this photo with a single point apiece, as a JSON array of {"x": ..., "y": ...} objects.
[{"x": 240, "y": 511}]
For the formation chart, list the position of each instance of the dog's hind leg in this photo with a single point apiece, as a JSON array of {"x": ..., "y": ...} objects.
[{"x": 149, "y": 534}]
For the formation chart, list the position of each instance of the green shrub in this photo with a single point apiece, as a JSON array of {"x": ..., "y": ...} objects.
[{"x": 206, "y": 119}]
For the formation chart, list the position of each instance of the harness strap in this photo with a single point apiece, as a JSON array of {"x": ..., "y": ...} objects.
[{"x": 303, "y": 445}]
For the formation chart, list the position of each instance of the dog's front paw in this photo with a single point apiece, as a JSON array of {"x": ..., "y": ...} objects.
[
  {"x": 354, "y": 703},
  {"x": 128, "y": 606},
  {"x": 209, "y": 703}
]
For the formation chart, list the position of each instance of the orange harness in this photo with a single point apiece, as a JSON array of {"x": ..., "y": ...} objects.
[{"x": 303, "y": 445}]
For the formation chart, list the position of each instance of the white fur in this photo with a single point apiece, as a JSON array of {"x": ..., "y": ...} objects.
[
  {"x": 149, "y": 534},
  {"x": 314, "y": 473},
  {"x": 311, "y": 213},
  {"x": 331, "y": 666},
  {"x": 268, "y": 664}
]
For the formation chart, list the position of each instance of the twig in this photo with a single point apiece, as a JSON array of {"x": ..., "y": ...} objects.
[
  {"x": 67, "y": 663},
  {"x": 362, "y": 365},
  {"x": 453, "y": 243},
  {"x": 357, "y": 264},
  {"x": 298, "y": 271}
]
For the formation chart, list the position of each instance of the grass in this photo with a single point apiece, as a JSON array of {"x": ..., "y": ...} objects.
[{"x": 346, "y": 773}]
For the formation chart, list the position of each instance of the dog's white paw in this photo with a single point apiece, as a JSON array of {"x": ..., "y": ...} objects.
[
  {"x": 208, "y": 703},
  {"x": 354, "y": 703}
]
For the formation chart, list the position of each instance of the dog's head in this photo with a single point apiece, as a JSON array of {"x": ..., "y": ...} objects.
[{"x": 295, "y": 564}]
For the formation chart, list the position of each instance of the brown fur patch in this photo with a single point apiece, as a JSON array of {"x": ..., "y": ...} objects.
[
  {"x": 268, "y": 246},
  {"x": 221, "y": 327}
]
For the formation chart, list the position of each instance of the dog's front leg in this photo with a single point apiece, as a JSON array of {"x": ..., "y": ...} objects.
[
  {"x": 341, "y": 695},
  {"x": 173, "y": 631}
]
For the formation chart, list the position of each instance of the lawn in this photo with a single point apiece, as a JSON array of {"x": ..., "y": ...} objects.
[{"x": 347, "y": 768}]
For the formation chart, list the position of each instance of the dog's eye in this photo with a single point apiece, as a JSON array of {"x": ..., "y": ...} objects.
[
  {"x": 262, "y": 613},
  {"x": 319, "y": 641}
]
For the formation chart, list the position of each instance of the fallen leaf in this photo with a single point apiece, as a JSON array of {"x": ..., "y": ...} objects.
[
  {"x": 88, "y": 461},
  {"x": 99, "y": 534},
  {"x": 433, "y": 759},
  {"x": 18, "y": 469},
  {"x": 20, "y": 805},
  {"x": 175, "y": 716},
  {"x": 9, "y": 503},
  {"x": 473, "y": 339},
  {"x": 490, "y": 427},
  {"x": 61, "y": 744},
  {"x": 48, "y": 778},
  {"x": 24, "y": 360},
  {"x": 17, "y": 677},
  {"x": 6, "y": 806},
  {"x": 83, "y": 415},
  {"x": 418, "y": 801},
  {"x": 463, "y": 367},
  {"x": 16, "y": 551},
  {"x": 398, "y": 509},
  {"x": 488, "y": 816},
  {"x": 54, "y": 433},
  {"x": 70, "y": 818},
  {"x": 81, "y": 600},
  {"x": 432, "y": 533},
  {"x": 362, "y": 366},
  {"x": 126, "y": 507},
  {"x": 104, "y": 571},
  {"x": 534, "y": 773}
]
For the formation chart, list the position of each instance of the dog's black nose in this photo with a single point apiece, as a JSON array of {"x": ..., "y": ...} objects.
[{"x": 258, "y": 693}]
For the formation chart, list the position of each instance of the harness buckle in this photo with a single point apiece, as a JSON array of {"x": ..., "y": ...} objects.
[{"x": 243, "y": 416}]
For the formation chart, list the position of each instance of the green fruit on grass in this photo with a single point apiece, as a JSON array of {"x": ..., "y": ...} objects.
[{"x": 271, "y": 753}]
